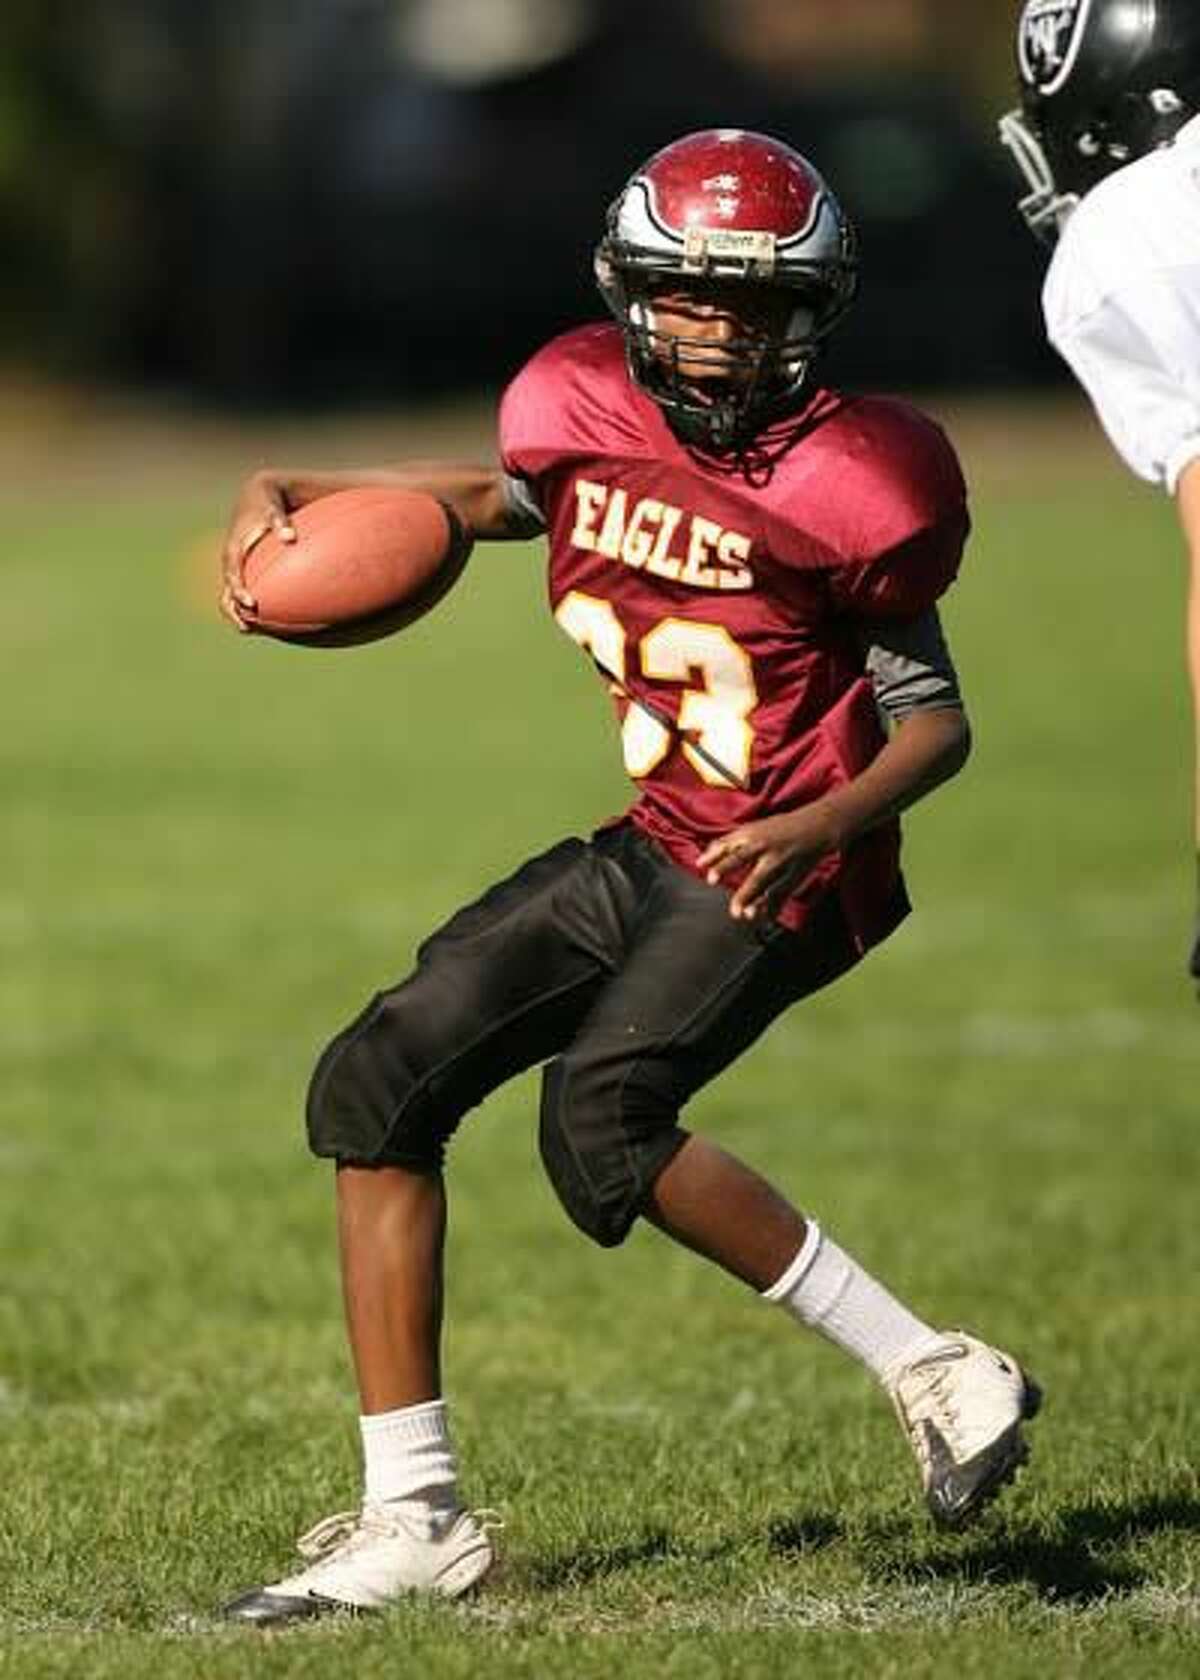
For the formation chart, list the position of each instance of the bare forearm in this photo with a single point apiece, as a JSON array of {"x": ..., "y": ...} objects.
[
  {"x": 924, "y": 751},
  {"x": 476, "y": 493},
  {"x": 1189, "y": 519},
  {"x": 1188, "y": 503},
  {"x": 927, "y": 748}
]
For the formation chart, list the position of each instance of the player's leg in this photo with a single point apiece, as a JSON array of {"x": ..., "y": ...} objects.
[
  {"x": 696, "y": 989},
  {"x": 391, "y": 1234},
  {"x": 500, "y": 987},
  {"x": 960, "y": 1402}
]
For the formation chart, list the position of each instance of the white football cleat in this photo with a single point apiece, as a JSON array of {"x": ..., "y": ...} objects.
[
  {"x": 365, "y": 1560},
  {"x": 962, "y": 1405}
]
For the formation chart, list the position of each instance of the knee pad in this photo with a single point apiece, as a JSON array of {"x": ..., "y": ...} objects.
[
  {"x": 367, "y": 1103},
  {"x": 604, "y": 1136}
]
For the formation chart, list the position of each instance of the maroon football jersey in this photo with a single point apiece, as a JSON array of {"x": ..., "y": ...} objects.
[{"x": 731, "y": 594}]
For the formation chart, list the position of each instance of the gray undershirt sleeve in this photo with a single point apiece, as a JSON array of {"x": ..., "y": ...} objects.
[
  {"x": 910, "y": 666},
  {"x": 522, "y": 505}
]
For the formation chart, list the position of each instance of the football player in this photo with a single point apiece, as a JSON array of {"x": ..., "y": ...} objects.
[
  {"x": 1108, "y": 141},
  {"x": 753, "y": 562}
]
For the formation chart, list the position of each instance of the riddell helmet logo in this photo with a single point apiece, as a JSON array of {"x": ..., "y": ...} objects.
[{"x": 1048, "y": 41}]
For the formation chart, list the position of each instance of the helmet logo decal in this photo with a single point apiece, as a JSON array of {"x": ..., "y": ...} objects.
[
  {"x": 726, "y": 194},
  {"x": 703, "y": 246},
  {"x": 1048, "y": 41}
]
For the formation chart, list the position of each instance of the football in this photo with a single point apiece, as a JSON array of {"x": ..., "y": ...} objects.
[{"x": 365, "y": 563}]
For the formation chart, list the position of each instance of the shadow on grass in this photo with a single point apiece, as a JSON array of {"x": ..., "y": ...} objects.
[
  {"x": 594, "y": 1563},
  {"x": 1073, "y": 1564},
  {"x": 800, "y": 1536}
]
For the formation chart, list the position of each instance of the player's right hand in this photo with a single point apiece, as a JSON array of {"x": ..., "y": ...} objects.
[{"x": 262, "y": 506}]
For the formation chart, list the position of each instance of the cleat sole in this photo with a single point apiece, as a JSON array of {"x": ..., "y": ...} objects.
[
  {"x": 262, "y": 1609},
  {"x": 1011, "y": 1454}
]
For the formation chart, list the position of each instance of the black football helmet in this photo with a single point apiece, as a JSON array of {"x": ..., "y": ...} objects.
[{"x": 1102, "y": 82}]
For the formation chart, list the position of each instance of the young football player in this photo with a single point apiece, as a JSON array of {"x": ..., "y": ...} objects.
[
  {"x": 752, "y": 561},
  {"x": 1108, "y": 140}
]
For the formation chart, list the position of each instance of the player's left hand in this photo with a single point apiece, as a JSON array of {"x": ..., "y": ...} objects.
[
  {"x": 776, "y": 852},
  {"x": 262, "y": 506}
]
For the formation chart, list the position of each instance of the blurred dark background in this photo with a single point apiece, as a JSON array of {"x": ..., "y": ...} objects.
[{"x": 315, "y": 201}]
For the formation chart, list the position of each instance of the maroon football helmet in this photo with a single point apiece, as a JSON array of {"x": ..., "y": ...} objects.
[{"x": 727, "y": 209}]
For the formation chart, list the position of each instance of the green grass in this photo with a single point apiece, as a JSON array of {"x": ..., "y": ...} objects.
[{"x": 212, "y": 851}]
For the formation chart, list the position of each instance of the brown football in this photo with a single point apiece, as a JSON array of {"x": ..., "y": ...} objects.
[{"x": 365, "y": 563}]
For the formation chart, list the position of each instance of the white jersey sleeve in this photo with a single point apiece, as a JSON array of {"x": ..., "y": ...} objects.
[{"x": 1122, "y": 307}]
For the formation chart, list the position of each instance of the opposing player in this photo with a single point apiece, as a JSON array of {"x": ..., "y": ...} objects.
[
  {"x": 752, "y": 561},
  {"x": 1108, "y": 141}
]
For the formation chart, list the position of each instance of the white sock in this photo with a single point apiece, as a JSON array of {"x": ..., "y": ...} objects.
[
  {"x": 408, "y": 1461},
  {"x": 828, "y": 1291}
]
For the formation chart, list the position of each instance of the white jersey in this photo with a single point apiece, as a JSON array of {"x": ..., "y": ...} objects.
[{"x": 1122, "y": 306}]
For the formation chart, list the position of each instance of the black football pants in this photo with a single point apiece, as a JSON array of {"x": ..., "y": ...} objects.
[{"x": 605, "y": 959}]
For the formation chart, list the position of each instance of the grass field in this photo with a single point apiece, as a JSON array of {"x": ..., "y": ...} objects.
[{"x": 213, "y": 850}]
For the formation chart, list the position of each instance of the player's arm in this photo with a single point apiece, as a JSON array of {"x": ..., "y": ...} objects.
[
  {"x": 1188, "y": 502},
  {"x": 916, "y": 686},
  {"x": 1134, "y": 355},
  {"x": 484, "y": 498}
]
